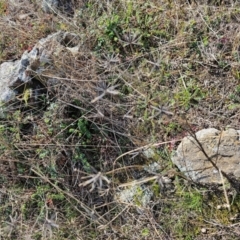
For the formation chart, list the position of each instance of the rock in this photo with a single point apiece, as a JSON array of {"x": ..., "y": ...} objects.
[
  {"x": 53, "y": 6},
  {"x": 149, "y": 153},
  {"x": 37, "y": 62},
  {"x": 135, "y": 195},
  {"x": 153, "y": 167},
  {"x": 50, "y": 6},
  {"x": 223, "y": 147},
  {"x": 8, "y": 74}
]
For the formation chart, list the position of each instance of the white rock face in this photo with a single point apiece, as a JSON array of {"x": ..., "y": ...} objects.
[
  {"x": 223, "y": 147},
  {"x": 8, "y": 74}
]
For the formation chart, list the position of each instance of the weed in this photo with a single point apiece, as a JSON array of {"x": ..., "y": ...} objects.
[
  {"x": 80, "y": 158},
  {"x": 235, "y": 97},
  {"x": 189, "y": 94}
]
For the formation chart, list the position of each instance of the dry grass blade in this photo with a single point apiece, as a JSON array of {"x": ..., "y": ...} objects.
[
  {"x": 225, "y": 192},
  {"x": 106, "y": 90}
]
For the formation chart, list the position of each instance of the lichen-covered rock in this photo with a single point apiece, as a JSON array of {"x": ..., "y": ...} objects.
[
  {"x": 223, "y": 147},
  {"x": 135, "y": 195}
]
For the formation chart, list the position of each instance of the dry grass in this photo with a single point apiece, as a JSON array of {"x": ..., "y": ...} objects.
[{"x": 141, "y": 71}]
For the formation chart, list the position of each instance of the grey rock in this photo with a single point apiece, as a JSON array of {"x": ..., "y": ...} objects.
[
  {"x": 149, "y": 153},
  {"x": 135, "y": 195},
  {"x": 50, "y": 6},
  {"x": 152, "y": 167},
  {"x": 37, "y": 62},
  {"x": 8, "y": 74},
  {"x": 53, "y": 6},
  {"x": 223, "y": 147}
]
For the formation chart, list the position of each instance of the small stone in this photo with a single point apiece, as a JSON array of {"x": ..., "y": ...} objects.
[
  {"x": 153, "y": 167},
  {"x": 136, "y": 195},
  {"x": 223, "y": 206},
  {"x": 166, "y": 180},
  {"x": 149, "y": 153}
]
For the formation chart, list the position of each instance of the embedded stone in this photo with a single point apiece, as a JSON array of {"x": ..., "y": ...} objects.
[{"x": 221, "y": 147}]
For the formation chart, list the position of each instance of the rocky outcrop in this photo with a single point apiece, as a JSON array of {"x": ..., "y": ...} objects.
[
  {"x": 222, "y": 147},
  {"x": 37, "y": 63}
]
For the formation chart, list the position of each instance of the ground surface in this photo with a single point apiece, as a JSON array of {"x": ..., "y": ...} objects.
[{"x": 146, "y": 74}]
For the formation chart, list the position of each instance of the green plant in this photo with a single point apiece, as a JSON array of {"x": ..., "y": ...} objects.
[
  {"x": 81, "y": 128},
  {"x": 235, "y": 97},
  {"x": 145, "y": 232},
  {"x": 192, "y": 200},
  {"x": 79, "y": 157},
  {"x": 172, "y": 128},
  {"x": 189, "y": 94}
]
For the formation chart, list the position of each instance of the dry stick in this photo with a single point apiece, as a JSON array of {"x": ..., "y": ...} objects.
[
  {"x": 91, "y": 214},
  {"x": 138, "y": 149},
  {"x": 123, "y": 168},
  {"x": 143, "y": 147},
  {"x": 225, "y": 192},
  {"x": 103, "y": 226},
  {"x": 141, "y": 181}
]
